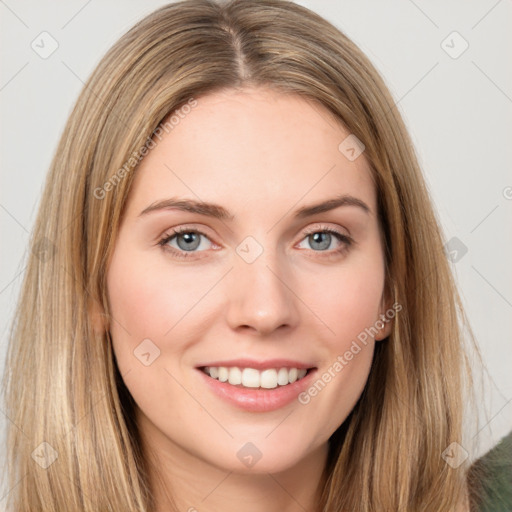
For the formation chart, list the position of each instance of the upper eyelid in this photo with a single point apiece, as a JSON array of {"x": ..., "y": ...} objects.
[{"x": 187, "y": 228}]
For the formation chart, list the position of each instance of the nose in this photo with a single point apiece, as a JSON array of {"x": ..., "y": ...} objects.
[{"x": 260, "y": 296}]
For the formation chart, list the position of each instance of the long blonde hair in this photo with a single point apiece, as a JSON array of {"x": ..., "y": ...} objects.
[{"x": 71, "y": 442}]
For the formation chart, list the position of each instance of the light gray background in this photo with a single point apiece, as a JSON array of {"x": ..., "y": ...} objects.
[{"x": 458, "y": 110}]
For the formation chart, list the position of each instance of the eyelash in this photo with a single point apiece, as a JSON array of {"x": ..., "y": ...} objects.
[{"x": 345, "y": 239}]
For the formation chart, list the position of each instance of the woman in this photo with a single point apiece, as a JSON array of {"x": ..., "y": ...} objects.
[{"x": 187, "y": 344}]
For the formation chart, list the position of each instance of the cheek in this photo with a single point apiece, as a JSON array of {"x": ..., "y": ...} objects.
[
  {"x": 348, "y": 301},
  {"x": 146, "y": 299}
]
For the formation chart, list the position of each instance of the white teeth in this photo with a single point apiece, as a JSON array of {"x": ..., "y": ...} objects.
[
  {"x": 235, "y": 376},
  {"x": 268, "y": 379},
  {"x": 223, "y": 374},
  {"x": 282, "y": 377},
  {"x": 252, "y": 378}
]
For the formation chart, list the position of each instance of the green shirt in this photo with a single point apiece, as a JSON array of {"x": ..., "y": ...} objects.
[{"x": 490, "y": 479}]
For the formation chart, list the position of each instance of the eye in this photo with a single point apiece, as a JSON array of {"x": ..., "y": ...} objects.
[
  {"x": 322, "y": 238},
  {"x": 186, "y": 240}
]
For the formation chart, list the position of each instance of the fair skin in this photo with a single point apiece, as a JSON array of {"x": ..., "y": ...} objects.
[{"x": 260, "y": 155}]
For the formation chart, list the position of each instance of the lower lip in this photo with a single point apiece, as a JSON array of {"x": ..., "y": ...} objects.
[{"x": 258, "y": 400}]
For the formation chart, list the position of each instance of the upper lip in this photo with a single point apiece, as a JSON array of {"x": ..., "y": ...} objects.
[{"x": 259, "y": 365}]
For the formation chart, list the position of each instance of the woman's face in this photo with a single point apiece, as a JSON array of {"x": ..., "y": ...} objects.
[{"x": 262, "y": 276}]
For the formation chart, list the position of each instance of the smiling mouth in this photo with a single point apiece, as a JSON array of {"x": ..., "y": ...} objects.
[{"x": 250, "y": 378}]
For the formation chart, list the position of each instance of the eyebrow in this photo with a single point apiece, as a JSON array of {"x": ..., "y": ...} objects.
[{"x": 219, "y": 212}]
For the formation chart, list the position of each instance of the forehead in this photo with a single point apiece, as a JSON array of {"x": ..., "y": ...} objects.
[{"x": 254, "y": 150}]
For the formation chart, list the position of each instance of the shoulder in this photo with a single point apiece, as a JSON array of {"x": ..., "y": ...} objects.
[{"x": 491, "y": 476}]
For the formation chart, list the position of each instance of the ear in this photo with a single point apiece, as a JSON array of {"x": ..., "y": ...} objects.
[
  {"x": 97, "y": 317},
  {"x": 386, "y": 330},
  {"x": 387, "y": 314}
]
